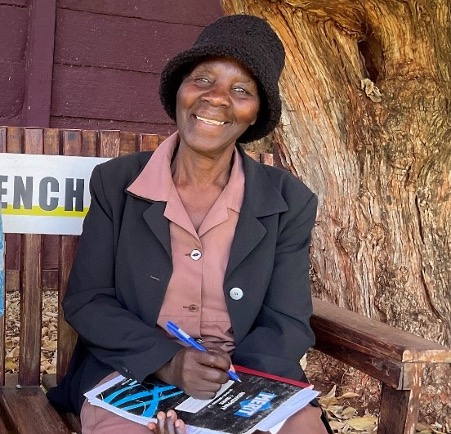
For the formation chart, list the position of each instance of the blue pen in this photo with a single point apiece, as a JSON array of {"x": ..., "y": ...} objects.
[{"x": 185, "y": 337}]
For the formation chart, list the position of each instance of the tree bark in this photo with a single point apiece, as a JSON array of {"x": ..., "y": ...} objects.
[{"x": 366, "y": 125}]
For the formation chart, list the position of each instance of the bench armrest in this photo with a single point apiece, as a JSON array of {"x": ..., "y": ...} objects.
[{"x": 380, "y": 350}]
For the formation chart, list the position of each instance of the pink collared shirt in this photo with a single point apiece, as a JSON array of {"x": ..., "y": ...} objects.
[{"x": 195, "y": 298}]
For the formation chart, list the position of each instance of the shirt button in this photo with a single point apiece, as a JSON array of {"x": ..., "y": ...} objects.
[
  {"x": 193, "y": 307},
  {"x": 195, "y": 255},
  {"x": 236, "y": 293}
]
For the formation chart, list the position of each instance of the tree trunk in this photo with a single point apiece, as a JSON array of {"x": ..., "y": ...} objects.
[{"x": 366, "y": 125}]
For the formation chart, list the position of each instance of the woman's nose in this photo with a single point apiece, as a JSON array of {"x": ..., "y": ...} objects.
[{"x": 217, "y": 95}]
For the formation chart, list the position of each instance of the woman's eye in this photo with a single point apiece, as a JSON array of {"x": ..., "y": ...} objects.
[
  {"x": 202, "y": 80},
  {"x": 241, "y": 90}
]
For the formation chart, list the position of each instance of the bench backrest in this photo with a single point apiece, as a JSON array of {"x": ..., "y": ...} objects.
[{"x": 35, "y": 263}]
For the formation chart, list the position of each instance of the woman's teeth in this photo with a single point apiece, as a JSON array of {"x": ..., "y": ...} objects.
[{"x": 210, "y": 121}]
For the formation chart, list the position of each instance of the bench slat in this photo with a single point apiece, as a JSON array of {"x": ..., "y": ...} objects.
[
  {"x": 31, "y": 293},
  {"x": 31, "y": 314},
  {"x": 31, "y": 412},
  {"x": 66, "y": 335},
  {"x": 149, "y": 142},
  {"x": 383, "y": 369},
  {"x": 403, "y": 403},
  {"x": 336, "y": 326}
]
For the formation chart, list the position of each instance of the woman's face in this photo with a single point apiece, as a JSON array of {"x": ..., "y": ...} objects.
[{"x": 216, "y": 103}]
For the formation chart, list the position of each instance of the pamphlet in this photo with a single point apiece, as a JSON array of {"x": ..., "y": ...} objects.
[{"x": 259, "y": 401}]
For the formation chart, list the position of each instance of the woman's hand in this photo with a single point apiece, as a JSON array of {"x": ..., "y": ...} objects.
[
  {"x": 199, "y": 374},
  {"x": 167, "y": 424}
]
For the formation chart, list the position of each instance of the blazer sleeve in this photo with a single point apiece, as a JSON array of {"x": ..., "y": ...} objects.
[
  {"x": 281, "y": 333},
  {"x": 112, "y": 333}
]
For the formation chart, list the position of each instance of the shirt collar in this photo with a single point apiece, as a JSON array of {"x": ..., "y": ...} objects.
[{"x": 155, "y": 180}]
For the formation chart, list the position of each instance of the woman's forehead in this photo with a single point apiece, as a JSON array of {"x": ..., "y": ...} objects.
[{"x": 215, "y": 61}]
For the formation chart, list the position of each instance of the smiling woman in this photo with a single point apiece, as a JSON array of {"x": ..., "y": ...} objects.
[{"x": 200, "y": 234}]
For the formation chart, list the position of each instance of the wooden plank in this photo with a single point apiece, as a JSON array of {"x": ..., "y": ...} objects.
[
  {"x": 12, "y": 277},
  {"x": 109, "y": 144},
  {"x": 111, "y": 94},
  {"x": 40, "y": 45},
  {"x": 3, "y": 139},
  {"x": 66, "y": 335},
  {"x": 31, "y": 294},
  {"x": 399, "y": 408},
  {"x": 380, "y": 368},
  {"x": 50, "y": 243},
  {"x": 63, "y": 122},
  {"x": 339, "y": 326},
  {"x": 197, "y": 12},
  {"x": 261, "y": 157},
  {"x": 149, "y": 142},
  {"x": 128, "y": 142},
  {"x": 12, "y": 82},
  {"x": 31, "y": 315},
  {"x": 72, "y": 142},
  {"x": 33, "y": 141},
  {"x": 14, "y": 140},
  {"x": 75, "y": 143},
  {"x": 52, "y": 141},
  {"x": 143, "y": 45},
  {"x": 17, "y": 3},
  {"x": 13, "y": 34},
  {"x": 267, "y": 158},
  {"x": 49, "y": 277},
  {"x": 30, "y": 411},
  {"x": 254, "y": 155},
  {"x": 11, "y": 380},
  {"x": 89, "y": 143},
  {"x": 14, "y": 143}
]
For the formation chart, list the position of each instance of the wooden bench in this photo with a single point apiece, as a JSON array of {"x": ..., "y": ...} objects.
[{"x": 35, "y": 263}]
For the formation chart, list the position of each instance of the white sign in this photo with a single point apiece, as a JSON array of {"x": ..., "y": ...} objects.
[{"x": 45, "y": 194}]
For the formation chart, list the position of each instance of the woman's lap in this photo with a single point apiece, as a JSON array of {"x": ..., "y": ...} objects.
[{"x": 96, "y": 420}]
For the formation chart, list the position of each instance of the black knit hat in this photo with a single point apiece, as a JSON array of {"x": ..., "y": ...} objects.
[{"x": 247, "y": 39}]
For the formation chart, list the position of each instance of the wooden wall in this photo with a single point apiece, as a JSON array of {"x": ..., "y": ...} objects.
[
  {"x": 13, "y": 43},
  {"x": 92, "y": 63}
]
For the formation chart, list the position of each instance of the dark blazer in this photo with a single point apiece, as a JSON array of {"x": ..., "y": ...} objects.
[{"x": 123, "y": 266}]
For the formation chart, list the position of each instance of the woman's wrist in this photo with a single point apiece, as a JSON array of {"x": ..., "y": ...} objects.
[{"x": 163, "y": 374}]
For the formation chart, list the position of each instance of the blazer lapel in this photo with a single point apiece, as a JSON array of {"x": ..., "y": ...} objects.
[
  {"x": 248, "y": 233},
  {"x": 261, "y": 199},
  {"x": 158, "y": 224}
]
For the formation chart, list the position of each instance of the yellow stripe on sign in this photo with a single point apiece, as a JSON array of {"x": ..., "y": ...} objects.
[{"x": 36, "y": 211}]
